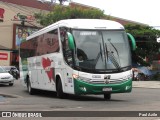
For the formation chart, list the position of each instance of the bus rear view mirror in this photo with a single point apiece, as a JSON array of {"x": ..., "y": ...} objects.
[
  {"x": 70, "y": 41},
  {"x": 133, "y": 42}
]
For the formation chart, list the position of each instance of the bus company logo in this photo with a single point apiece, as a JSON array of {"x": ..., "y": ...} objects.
[
  {"x": 46, "y": 63},
  {"x": 107, "y": 76}
]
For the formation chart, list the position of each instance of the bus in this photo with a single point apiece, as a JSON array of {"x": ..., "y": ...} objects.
[{"x": 78, "y": 56}]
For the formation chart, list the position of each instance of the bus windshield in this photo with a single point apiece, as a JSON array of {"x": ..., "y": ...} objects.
[{"x": 101, "y": 50}]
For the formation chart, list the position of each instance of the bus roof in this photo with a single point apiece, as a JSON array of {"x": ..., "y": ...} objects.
[{"x": 80, "y": 24}]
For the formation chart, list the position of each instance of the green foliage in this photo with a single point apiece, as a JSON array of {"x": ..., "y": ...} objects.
[
  {"x": 146, "y": 40},
  {"x": 60, "y": 12}
]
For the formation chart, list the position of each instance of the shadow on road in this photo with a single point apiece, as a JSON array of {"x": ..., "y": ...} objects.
[
  {"x": 50, "y": 94},
  {"x": 5, "y": 85}
]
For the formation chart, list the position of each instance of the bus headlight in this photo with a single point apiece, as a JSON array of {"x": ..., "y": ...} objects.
[
  {"x": 127, "y": 77},
  {"x": 81, "y": 78}
]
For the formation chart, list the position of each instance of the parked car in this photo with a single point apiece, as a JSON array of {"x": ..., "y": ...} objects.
[
  {"x": 5, "y": 77},
  {"x": 12, "y": 70}
]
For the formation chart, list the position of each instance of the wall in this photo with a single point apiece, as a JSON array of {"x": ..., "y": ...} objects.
[
  {"x": 7, "y": 27},
  {"x": 4, "y": 57},
  {"x": 6, "y": 31}
]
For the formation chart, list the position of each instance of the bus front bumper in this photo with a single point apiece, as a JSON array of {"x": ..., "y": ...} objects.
[{"x": 81, "y": 87}]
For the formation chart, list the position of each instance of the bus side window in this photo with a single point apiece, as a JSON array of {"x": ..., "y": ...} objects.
[{"x": 47, "y": 43}]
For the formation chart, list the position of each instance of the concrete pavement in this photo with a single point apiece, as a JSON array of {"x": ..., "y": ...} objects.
[
  {"x": 146, "y": 84},
  {"x": 136, "y": 84}
]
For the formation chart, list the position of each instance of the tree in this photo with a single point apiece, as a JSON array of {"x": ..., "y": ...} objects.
[
  {"x": 146, "y": 40},
  {"x": 60, "y": 12}
]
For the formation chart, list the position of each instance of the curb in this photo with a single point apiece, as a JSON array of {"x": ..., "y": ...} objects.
[
  {"x": 146, "y": 84},
  {"x": 146, "y": 87},
  {"x": 10, "y": 95}
]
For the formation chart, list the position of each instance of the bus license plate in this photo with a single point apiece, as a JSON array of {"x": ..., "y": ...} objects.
[{"x": 107, "y": 89}]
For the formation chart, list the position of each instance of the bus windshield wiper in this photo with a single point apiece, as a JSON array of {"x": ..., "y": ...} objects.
[
  {"x": 101, "y": 51},
  {"x": 106, "y": 51},
  {"x": 114, "y": 61},
  {"x": 115, "y": 50},
  {"x": 111, "y": 56}
]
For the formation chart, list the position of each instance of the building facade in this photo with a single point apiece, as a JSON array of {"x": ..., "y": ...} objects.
[{"x": 17, "y": 22}]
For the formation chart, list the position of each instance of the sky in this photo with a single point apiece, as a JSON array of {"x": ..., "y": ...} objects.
[{"x": 143, "y": 11}]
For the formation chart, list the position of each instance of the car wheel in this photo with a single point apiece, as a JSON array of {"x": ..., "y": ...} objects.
[
  {"x": 10, "y": 84},
  {"x": 16, "y": 76},
  {"x": 107, "y": 96}
]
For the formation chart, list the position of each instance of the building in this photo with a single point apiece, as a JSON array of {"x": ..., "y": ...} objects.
[
  {"x": 17, "y": 19},
  {"x": 12, "y": 13}
]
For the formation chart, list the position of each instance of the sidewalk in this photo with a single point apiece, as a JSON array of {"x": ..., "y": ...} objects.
[{"x": 146, "y": 84}]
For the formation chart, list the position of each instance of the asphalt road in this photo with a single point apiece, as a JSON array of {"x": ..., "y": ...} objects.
[{"x": 140, "y": 99}]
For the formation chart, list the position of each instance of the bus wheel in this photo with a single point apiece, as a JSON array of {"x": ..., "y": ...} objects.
[
  {"x": 31, "y": 91},
  {"x": 107, "y": 96},
  {"x": 59, "y": 89}
]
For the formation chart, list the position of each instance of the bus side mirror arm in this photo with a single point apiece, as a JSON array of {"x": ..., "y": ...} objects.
[
  {"x": 70, "y": 41},
  {"x": 71, "y": 46},
  {"x": 133, "y": 42}
]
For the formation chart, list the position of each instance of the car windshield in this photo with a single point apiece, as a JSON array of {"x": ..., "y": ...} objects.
[
  {"x": 2, "y": 70},
  {"x": 101, "y": 50},
  {"x": 6, "y": 68}
]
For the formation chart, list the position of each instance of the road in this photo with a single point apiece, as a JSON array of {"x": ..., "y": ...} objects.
[{"x": 140, "y": 99}]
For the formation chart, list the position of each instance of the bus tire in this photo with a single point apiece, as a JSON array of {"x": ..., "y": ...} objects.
[
  {"x": 31, "y": 91},
  {"x": 107, "y": 96},
  {"x": 59, "y": 89}
]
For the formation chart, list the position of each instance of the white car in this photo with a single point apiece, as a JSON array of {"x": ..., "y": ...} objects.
[
  {"x": 6, "y": 77},
  {"x": 12, "y": 70}
]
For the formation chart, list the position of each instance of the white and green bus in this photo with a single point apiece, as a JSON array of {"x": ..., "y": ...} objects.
[{"x": 78, "y": 56}]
